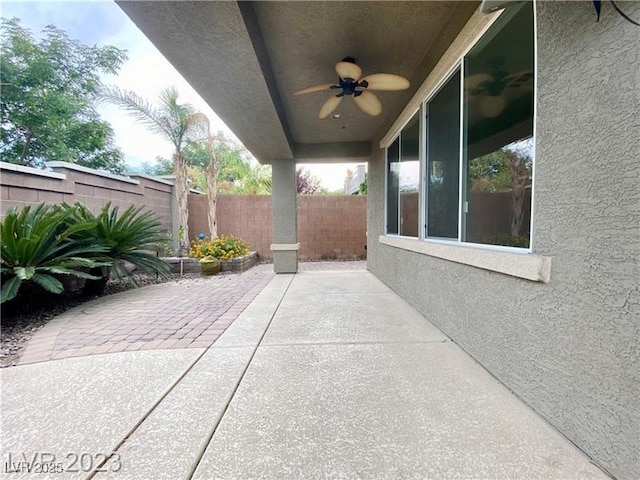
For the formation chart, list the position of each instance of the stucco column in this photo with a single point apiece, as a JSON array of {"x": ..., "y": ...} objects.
[{"x": 285, "y": 217}]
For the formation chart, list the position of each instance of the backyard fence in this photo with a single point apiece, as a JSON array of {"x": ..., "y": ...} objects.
[{"x": 329, "y": 227}]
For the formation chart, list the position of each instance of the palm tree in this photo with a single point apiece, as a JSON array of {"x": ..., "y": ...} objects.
[
  {"x": 213, "y": 168},
  {"x": 257, "y": 181},
  {"x": 179, "y": 123}
]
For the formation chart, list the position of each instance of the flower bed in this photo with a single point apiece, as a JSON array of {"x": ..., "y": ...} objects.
[{"x": 192, "y": 265}]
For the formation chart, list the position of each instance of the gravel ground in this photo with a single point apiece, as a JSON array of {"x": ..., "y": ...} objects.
[{"x": 18, "y": 329}]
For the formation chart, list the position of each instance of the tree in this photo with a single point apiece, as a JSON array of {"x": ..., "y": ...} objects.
[
  {"x": 178, "y": 123},
  {"x": 507, "y": 169},
  {"x": 236, "y": 174},
  {"x": 163, "y": 166},
  {"x": 257, "y": 182},
  {"x": 362, "y": 188},
  {"x": 48, "y": 101},
  {"x": 307, "y": 183}
]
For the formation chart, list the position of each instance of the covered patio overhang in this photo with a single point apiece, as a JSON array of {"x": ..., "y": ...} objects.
[{"x": 246, "y": 59}]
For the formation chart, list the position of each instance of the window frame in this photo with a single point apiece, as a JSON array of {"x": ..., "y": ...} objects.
[
  {"x": 420, "y": 176},
  {"x": 459, "y": 64}
]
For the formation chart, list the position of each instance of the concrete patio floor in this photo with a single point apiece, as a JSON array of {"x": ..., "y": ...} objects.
[{"x": 325, "y": 374}]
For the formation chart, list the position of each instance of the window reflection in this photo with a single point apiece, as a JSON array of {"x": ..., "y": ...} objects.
[
  {"x": 393, "y": 185},
  {"x": 443, "y": 159},
  {"x": 410, "y": 177},
  {"x": 498, "y": 133}
]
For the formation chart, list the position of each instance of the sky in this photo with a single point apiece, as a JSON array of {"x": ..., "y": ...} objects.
[{"x": 146, "y": 72}]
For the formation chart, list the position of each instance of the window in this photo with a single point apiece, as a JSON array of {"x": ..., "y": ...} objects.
[
  {"x": 443, "y": 160},
  {"x": 403, "y": 181},
  {"x": 478, "y": 146},
  {"x": 393, "y": 185},
  {"x": 498, "y": 133}
]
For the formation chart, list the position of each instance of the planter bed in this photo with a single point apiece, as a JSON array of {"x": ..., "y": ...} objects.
[
  {"x": 240, "y": 264},
  {"x": 192, "y": 265}
]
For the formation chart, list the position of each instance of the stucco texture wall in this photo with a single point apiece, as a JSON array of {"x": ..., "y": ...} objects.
[{"x": 569, "y": 348}]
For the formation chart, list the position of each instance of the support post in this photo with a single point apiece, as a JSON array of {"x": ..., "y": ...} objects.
[{"x": 285, "y": 217}]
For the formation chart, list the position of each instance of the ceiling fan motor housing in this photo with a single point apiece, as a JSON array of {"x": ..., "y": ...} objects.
[{"x": 348, "y": 86}]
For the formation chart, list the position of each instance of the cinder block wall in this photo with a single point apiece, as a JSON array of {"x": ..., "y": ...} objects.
[
  {"x": 329, "y": 227},
  {"x": 70, "y": 183},
  {"x": 246, "y": 216}
]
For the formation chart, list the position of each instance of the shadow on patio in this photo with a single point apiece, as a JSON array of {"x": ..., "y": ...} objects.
[{"x": 326, "y": 374}]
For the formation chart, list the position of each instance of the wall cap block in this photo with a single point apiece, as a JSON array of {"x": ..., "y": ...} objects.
[
  {"x": 149, "y": 177},
  {"x": 285, "y": 247},
  {"x": 536, "y": 268},
  {"x": 31, "y": 171},
  {"x": 91, "y": 171}
]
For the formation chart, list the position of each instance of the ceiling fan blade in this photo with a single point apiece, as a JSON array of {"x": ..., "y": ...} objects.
[
  {"x": 348, "y": 70},
  {"x": 369, "y": 103},
  {"x": 386, "y": 81},
  {"x": 473, "y": 81},
  {"x": 329, "y": 106},
  {"x": 315, "y": 88},
  {"x": 519, "y": 79}
]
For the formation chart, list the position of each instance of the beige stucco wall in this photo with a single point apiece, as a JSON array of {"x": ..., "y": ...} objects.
[{"x": 569, "y": 348}]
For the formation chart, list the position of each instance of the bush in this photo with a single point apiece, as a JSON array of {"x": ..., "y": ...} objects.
[
  {"x": 41, "y": 243},
  {"x": 127, "y": 238},
  {"x": 224, "y": 247}
]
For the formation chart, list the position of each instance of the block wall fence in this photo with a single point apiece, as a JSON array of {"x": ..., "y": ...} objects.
[{"x": 329, "y": 227}]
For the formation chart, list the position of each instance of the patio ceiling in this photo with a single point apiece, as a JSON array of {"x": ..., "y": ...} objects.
[{"x": 247, "y": 58}]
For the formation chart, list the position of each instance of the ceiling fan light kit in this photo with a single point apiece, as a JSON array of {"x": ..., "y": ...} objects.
[
  {"x": 352, "y": 84},
  {"x": 491, "y": 106}
]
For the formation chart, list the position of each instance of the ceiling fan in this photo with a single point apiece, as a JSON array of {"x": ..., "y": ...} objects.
[
  {"x": 351, "y": 83},
  {"x": 492, "y": 88}
]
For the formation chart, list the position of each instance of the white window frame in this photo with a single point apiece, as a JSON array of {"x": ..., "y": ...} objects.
[
  {"x": 386, "y": 177},
  {"x": 538, "y": 268}
]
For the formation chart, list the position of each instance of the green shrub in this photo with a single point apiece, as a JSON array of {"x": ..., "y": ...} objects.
[
  {"x": 39, "y": 243},
  {"x": 224, "y": 247},
  {"x": 127, "y": 238}
]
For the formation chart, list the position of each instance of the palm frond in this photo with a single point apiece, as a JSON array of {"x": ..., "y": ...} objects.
[
  {"x": 10, "y": 289},
  {"x": 49, "y": 283},
  {"x": 139, "y": 108}
]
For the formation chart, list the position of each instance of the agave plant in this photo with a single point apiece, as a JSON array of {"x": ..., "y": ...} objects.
[
  {"x": 38, "y": 244},
  {"x": 127, "y": 239}
]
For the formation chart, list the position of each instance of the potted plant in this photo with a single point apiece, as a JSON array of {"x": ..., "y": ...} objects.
[{"x": 210, "y": 265}]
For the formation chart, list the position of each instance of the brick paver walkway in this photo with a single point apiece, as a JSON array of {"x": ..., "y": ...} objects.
[{"x": 189, "y": 313}]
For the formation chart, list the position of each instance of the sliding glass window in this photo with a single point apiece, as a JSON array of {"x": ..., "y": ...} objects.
[
  {"x": 478, "y": 137},
  {"x": 443, "y": 160},
  {"x": 498, "y": 132},
  {"x": 393, "y": 185},
  {"x": 410, "y": 177}
]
